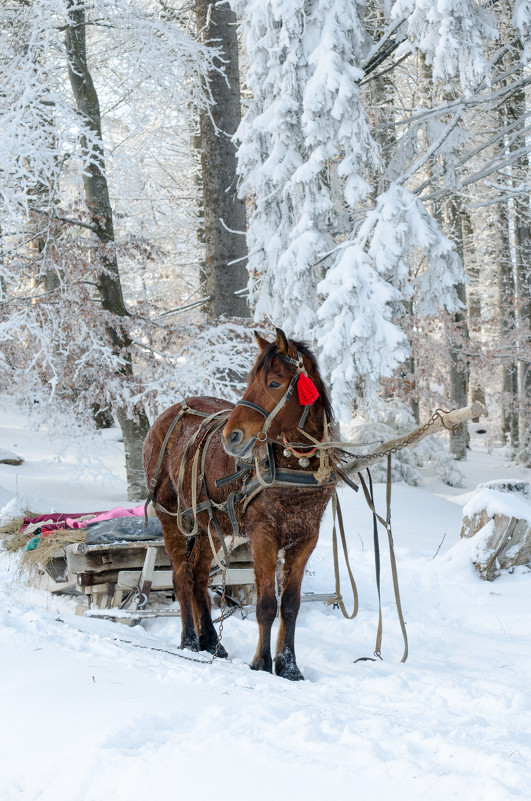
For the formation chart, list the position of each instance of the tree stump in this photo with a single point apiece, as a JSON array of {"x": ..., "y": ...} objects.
[{"x": 500, "y": 521}]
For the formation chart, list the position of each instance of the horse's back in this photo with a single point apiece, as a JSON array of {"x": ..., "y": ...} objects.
[
  {"x": 202, "y": 403},
  {"x": 185, "y": 427}
]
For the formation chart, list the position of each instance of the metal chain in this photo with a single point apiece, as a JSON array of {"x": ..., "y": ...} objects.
[
  {"x": 238, "y": 607},
  {"x": 438, "y": 414},
  {"x": 222, "y": 604},
  {"x": 333, "y": 445},
  {"x": 222, "y": 618}
]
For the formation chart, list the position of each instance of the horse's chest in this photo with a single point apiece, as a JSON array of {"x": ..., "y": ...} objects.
[{"x": 287, "y": 512}]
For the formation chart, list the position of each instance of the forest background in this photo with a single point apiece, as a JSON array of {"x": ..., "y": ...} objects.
[{"x": 173, "y": 174}]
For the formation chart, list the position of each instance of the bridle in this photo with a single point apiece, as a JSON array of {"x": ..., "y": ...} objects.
[{"x": 270, "y": 416}]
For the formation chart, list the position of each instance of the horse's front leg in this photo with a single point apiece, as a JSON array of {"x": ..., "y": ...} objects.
[
  {"x": 183, "y": 579},
  {"x": 295, "y": 561},
  {"x": 265, "y": 553}
]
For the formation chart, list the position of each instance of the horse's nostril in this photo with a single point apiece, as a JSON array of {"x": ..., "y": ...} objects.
[{"x": 236, "y": 437}]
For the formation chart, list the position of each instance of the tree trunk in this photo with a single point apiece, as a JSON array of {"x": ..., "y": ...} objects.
[
  {"x": 448, "y": 214},
  {"x": 522, "y": 233},
  {"x": 99, "y": 206},
  {"x": 521, "y": 226},
  {"x": 459, "y": 378},
  {"x": 224, "y": 212},
  {"x": 506, "y": 312},
  {"x": 459, "y": 366},
  {"x": 522, "y": 249},
  {"x": 473, "y": 299}
]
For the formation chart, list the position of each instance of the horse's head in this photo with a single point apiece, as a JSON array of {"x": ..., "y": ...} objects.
[{"x": 274, "y": 402}]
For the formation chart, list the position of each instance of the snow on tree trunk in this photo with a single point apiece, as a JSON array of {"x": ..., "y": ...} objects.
[{"x": 522, "y": 241}]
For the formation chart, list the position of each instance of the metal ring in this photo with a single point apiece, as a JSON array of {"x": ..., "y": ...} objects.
[
  {"x": 140, "y": 599},
  {"x": 261, "y": 436}
]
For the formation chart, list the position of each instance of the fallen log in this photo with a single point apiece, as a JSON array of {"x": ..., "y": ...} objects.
[{"x": 439, "y": 421}]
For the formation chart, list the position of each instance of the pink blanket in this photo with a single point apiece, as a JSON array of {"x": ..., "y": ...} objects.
[
  {"x": 55, "y": 520},
  {"x": 118, "y": 511}
]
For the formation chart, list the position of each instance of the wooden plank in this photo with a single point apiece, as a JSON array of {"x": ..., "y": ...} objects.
[
  {"x": 124, "y": 615},
  {"x": 83, "y": 548},
  {"x": 235, "y": 575},
  {"x": 149, "y": 566},
  {"x": 115, "y": 559},
  {"x": 129, "y": 579}
]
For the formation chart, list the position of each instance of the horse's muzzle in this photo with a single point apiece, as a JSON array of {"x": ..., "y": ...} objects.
[{"x": 235, "y": 445}]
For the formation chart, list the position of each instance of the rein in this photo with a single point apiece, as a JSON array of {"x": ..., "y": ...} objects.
[{"x": 336, "y": 511}]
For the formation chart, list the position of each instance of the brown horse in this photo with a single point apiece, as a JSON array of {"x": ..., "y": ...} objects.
[{"x": 208, "y": 439}]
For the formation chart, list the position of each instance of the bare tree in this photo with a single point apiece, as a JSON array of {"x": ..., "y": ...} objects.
[{"x": 134, "y": 428}]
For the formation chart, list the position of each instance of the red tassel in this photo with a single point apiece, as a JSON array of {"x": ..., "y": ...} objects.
[{"x": 307, "y": 390}]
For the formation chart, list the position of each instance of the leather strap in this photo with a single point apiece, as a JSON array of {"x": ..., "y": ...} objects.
[
  {"x": 387, "y": 525},
  {"x": 336, "y": 513},
  {"x": 253, "y": 406},
  {"x": 153, "y": 482}
]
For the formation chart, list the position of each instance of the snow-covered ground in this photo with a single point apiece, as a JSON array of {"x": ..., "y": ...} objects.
[{"x": 90, "y": 711}]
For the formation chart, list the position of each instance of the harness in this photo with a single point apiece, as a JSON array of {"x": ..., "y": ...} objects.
[{"x": 267, "y": 473}]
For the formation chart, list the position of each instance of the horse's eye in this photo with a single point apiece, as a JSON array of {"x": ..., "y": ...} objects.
[{"x": 273, "y": 385}]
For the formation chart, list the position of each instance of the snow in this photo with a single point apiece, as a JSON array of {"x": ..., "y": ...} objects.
[
  {"x": 6, "y": 455},
  {"x": 498, "y": 503},
  {"x": 90, "y": 710}
]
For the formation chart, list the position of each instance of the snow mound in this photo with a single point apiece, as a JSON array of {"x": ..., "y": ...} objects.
[
  {"x": 8, "y": 457},
  {"x": 6, "y": 499},
  {"x": 495, "y": 502}
]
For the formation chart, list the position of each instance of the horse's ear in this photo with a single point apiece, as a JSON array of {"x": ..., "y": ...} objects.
[
  {"x": 263, "y": 344},
  {"x": 281, "y": 341}
]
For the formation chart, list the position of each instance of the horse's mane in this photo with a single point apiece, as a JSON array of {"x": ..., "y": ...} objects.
[{"x": 265, "y": 360}]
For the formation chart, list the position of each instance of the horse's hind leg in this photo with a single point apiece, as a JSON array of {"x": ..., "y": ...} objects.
[
  {"x": 183, "y": 580},
  {"x": 208, "y": 638},
  {"x": 294, "y": 563}
]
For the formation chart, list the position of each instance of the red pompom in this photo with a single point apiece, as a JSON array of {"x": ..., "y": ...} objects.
[{"x": 307, "y": 390}]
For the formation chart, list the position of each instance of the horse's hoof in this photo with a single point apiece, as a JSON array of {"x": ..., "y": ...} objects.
[
  {"x": 261, "y": 664},
  {"x": 191, "y": 642},
  {"x": 210, "y": 644},
  {"x": 216, "y": 650},
  {"x": 221, "y": 653},
  {"x": 286, "y": 668}
]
